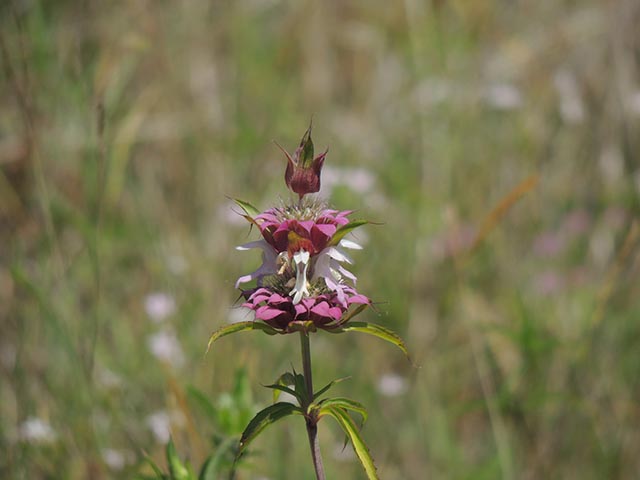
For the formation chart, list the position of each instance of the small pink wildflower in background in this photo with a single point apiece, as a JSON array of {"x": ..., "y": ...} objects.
[
  {"x": 164, "y": 345},
  {"x": 549, "y": 244},
  {"x": 392, "y": 385},
  {"x": 159, "y": 306}
]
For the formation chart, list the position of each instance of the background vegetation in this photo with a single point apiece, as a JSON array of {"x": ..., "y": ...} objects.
[{"x": 123, "y": 126}]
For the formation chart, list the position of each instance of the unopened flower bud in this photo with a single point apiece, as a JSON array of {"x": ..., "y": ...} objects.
[{"x": 303, "y": 170}]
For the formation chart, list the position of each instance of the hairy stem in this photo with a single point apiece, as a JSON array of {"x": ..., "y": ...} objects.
[{"x": 312, "y": 425}]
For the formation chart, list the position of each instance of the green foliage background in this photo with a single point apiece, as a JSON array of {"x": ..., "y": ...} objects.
[{"x": 124, "y": 126}]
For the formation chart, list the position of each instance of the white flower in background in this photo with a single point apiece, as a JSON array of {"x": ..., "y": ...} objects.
[
  {"x": 503, "y": 96},
  {"x": 160, "y": 423},
  {"x": 117, "y": 459},
  {"x": 358, "y": 179},
  {"x": 392, "y": 385},
  {"x": 108, "y": 378},
  {"x": 159, "y": 306},
  {"x": 571, "y": 105},
  {"x": 164, "y": 345},
  {"x": 36, "y": 430},
  {"x": 177, "y": 264}
]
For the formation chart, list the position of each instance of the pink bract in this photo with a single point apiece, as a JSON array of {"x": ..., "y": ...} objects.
[
  {"x": 292, "y": 235},
  {"x": 323, "y": 310}
]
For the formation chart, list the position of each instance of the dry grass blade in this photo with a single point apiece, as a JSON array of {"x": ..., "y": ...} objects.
[
  {"x": 610, "y": 282},
  {"x": 496, "y": 215}
]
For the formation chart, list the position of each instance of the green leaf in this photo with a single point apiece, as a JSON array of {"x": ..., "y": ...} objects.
[
  {"x": 280, "y": 388},
  {"x": 342, "y": 231},
  {"x": 249, "y": 209},
  {"x": 328, "y": 386},
  {"x": 176, "y": 467},
  {"x": 240, "y": 327},
  {"x": 209, "y": 469},
  {"x": 212, "y": 466},
  {"x": 346, "y": 404},
  {"x": 155, "y": 467},
  {"x": 301, "y": 389},
  {"x": 263, "y": 419},
  {"x": 375, "y": 330},
  {"x": 282, "y": 385},
  {"x": 201, "y": 399},
  {"x": 362, "y": 451},
  {"x": 242, "y": 389}
]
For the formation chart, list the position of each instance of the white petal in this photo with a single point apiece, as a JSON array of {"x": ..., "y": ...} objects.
[
  {"x": 302, "y": 256},
  {"x": 348, "y": 274},
  {"x": 269, "y": 257},
  {"x": 301, "y": 288},
  {"x": 257, "y": 244},
  {"x": 338, "y": 255},
  {"x": 349, "y": 244}
]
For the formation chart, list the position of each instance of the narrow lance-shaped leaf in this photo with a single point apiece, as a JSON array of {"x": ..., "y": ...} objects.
[
  {"x": 155, "y": 468},
  {"x": 240, "y": 327},
  {"x": 301, "y": 389},
  {"x": 277, "y": 389},
  {"x": 362, "y": 451},
  {"x": 344, "y": 403},
  {"x": 213, "y": 464},
  {"x": 328, "y": 386},
  {"x": 375, "y": 330},
  {"x": 282, "y": 385},
  {"x": 345, "y": 229},
  {"x": 202, "y": 400},
  {"x": 249, "y": 209},
  {"x": 176, "y": 467},
  {"x": 263, "y": 419}
]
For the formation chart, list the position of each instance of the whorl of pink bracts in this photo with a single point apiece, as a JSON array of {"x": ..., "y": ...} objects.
[
  {"x": 279, "y": 311},
  {"x": 292, "y": 235}
]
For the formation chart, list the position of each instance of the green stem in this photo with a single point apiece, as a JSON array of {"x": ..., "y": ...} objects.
[{"x": 312, "y": 423}]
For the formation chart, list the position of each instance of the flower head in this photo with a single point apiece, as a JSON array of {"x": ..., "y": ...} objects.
[
  {"x": 302, "y": 282},
  {"x": 302, "y": 175},
  {"x": 302, "y": 277}
]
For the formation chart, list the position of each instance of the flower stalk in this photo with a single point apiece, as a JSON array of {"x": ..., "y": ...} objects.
[
  {"x": 311, "y": 419},
  {"x": 303, "y": 286}
]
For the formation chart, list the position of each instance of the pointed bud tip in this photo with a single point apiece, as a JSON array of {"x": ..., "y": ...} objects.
[{"x": 303, "y": 171}]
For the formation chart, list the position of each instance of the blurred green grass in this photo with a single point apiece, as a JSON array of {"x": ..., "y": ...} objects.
[{"x": 124, "y": 126}]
